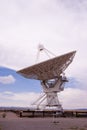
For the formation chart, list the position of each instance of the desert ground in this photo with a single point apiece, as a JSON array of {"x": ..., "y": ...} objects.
[{"x": 13, "y": 122}]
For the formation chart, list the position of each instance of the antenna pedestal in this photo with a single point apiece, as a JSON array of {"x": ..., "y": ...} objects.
[
  {"x": 51, "y": 89},
  {"x": 52, "y": 101}
]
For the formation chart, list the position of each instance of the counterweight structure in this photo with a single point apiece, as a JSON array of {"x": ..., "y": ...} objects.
[{"x": 52, "y": 78}]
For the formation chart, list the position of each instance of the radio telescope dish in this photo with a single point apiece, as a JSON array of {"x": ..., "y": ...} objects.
[
  {"x": 52, "y": 77},
  {"x": 48, "y": 69}
]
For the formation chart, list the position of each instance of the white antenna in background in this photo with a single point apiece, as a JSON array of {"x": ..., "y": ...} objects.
[{"x": 47, "y": 52}]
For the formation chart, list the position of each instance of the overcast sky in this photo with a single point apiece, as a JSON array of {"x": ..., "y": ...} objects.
[{"x": 60, "y": 25}]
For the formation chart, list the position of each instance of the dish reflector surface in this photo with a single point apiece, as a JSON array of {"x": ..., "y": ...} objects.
[{"x": 49, "y": 69}]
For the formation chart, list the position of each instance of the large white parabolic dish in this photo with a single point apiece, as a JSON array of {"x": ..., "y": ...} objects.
[{"x": 48, "y": 69}]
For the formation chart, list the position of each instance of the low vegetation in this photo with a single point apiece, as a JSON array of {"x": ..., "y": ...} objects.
[{"x": 4, "y": 115}]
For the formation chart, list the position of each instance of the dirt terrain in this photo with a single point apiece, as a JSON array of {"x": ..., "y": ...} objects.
[{"x": 13, "y": 122}]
